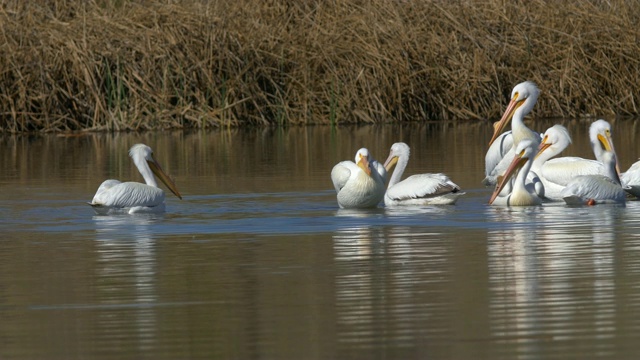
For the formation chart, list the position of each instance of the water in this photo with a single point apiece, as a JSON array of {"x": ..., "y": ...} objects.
[{"x": 257, "y": 261}]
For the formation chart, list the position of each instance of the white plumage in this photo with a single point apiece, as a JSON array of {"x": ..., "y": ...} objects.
[
  {"x": 498, "y": 158},
  {"x": 359, "y": 184},
  {"x": 115, "y": 197},
  {"x": 596, "y": 189},
  {"x": 523, "y": 98},
  {"x": 521, "y": 194},
  {"x": 556, "y": 173},
  {"x": 631, "y": 179},
  {"x": 420, "y": 189}
]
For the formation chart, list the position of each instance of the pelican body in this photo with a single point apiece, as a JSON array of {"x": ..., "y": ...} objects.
[
  {"x": 359, "y": 184},
  {"x": 523, "y": 98},
  {"x": 596, "y": 189},
  {"x": 420, "y": 189},
  {"x": 631, "y": 179},
  {"x": 556, "y": 173},
  {"x": 520, "y": 194},
  {"x": 115, "y": 197}
]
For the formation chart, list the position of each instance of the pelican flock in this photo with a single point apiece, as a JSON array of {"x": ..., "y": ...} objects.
[
  {"x": 420, "y": 189},
  {"x": 115, "y": 197},
  {"x": 541, "y": 177},
  {"x": 521, "y": 164}
]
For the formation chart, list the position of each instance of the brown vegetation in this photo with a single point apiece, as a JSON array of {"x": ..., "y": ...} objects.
[{"x": 97, "y": 65}]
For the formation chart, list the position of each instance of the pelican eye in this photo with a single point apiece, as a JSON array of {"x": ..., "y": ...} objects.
[{"x": 546, "y": 137}]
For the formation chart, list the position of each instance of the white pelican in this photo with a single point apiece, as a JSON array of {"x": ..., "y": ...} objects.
[
  {"x": 630, "y": 179},
  {"x": 523, "y": 98},
  {"x": 596, "y": 189},
  {"x": 421, "y": 189},
  {"x": 556, "y": 173},
  {"x": 115, "y": 197},
  {"x": 521, "y": 194},
  {"x": 359, "y": 184}
]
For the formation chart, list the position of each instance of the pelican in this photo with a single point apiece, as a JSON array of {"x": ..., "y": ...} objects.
[
  {"x": 523, "y": 98},
  {"x": 421, "y": 189},
  {"x": 359, "y": 184},
  {"x": 630, "y": 179},
  {"x": 521, "y": 194},
  {"x": 115, "y": 197},
  {"x": 596, "y": 189},
  {"x": 556, "y": 173}
]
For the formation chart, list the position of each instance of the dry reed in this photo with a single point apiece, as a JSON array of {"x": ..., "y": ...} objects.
[{"x": 135, "y": 65}]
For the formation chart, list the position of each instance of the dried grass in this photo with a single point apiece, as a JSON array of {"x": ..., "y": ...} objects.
[{"x": 136, "y": 65}]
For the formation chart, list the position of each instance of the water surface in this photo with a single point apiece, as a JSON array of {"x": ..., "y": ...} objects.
[{"x": 257, "y": 261}]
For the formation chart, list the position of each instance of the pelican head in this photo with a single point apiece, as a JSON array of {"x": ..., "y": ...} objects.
[
  {"x": 524, "y": 97},
  {"x": 362, "y": 159},
  {"x": 556, "y": 136},
  {"x": 142, "y": 156},
  {"x": 600, "y": 137},
  {"x": 525, "y": 151},
  {"x": 600, "y": 132},
  {"x": 398, "y": 149}
]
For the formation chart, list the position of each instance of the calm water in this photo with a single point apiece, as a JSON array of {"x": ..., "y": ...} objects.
[{"x": 258, "y": 262}]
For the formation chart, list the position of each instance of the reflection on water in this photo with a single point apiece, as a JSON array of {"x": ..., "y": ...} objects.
[
  {"x": 380, "y": 273},
  {"x": 258, "y": 261},
  {"x": 555, "y": 267},
  {"x": 126, "y": 274}
]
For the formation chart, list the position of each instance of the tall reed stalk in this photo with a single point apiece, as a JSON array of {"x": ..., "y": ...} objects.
[{"x": 136, "y": 65}]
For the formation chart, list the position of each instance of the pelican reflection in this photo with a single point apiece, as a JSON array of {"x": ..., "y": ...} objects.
[{"x": 126, "y": 252}]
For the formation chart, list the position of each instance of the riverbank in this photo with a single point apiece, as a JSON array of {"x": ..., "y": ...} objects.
[{"x": 68, "y": 66}]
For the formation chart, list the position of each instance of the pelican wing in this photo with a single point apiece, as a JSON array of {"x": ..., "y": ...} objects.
[
  {"x": 104, "y": 188},
  {"x": 631, "y": 179},
  {"x": 113, "y": 193},
  {"x": 496, "y": 152},
  {"x": 341, "y": 173},
  {"x": 593, "y": 187},
  {"x": 422, "y": 186},
  {"x": 499, "y": 169},
  {"x": 632, "y": 176},
  {"x": 562, "y": 170}
]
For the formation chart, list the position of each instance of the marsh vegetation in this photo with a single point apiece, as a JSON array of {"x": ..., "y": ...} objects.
[{"x": 136, "y": 65}]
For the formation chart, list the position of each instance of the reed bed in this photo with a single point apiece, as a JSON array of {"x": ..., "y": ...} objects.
[{"x": 136, "y": 65}]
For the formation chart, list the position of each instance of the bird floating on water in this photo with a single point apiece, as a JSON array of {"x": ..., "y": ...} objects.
[
  {"x": 520, "y": 194},
  {"x": 500, "y": 154},
  {"x": 596, "y": 189},
  {"x": 115, "y": 197},
  {"x": 556, "y": 173},
  {"x": 419, "y": 189},
  {"x": 359, "y": 184}
]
